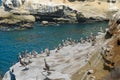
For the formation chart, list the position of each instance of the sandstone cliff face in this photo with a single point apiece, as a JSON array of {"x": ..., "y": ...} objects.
[
  {"x": 114, "y": 31},
  {"x": 75, "y": 11},
  {"x": 12, "y": 19},
  {"x": 107, "y": 57},
  {"x": 60, "y": 11},
  {"x": 26, "y": 11},
  {"x": 57, "y": 13},
  {"x": 112, "y": 54}
]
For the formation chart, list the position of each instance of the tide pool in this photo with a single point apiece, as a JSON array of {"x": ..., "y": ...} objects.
[{"x": 39, "y": 38}]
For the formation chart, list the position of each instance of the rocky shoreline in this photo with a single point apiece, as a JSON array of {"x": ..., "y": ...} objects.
[
  {"x": 60, "y": 63},
  {"x": 23, "y": 14},
  {"x": 93, "y": 58}
]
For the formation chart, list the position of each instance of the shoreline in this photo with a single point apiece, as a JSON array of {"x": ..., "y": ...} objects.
[
  {"x": 55, "y": 13},
  {"x": 73, "y": 59},
  {"x": 61, "y": 56},
  {"x": 15, "y": 28},
  {"x": 67, "y": 60}
]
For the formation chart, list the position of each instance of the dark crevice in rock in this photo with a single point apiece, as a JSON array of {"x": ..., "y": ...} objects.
[
  {"x": 108, "y": 64},
  {"x": 118, "y": 21},
  {"x": 80, "y": 17},
  {"x": 108, "y": 35},
  {"x": 118, "y": 41}
]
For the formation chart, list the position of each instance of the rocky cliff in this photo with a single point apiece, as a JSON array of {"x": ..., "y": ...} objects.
[
  {"x": 23, "y": 13},
  {"x": 55, "y": 11},
  {"x": 107, "y": 58},
  {"x": 94, "y": 58},
  {"x": 13, "y": 20}
]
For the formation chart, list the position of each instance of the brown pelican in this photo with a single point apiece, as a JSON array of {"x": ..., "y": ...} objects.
[
  {"x": 34, "y": 53},
  {"x": 47, "y": 51},
  {"x": 47, "y": 68}
]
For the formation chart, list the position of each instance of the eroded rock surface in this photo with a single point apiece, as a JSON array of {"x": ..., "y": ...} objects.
[{"x": 59, "y": 11}]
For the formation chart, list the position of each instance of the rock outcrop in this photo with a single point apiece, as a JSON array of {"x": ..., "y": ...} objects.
[
  {"x": 111, "y": 54},
  {"x": 78, "y": 60},
  {"x": 16, "y": 20},
  {"x": 58, "y": 13},
  {"x": 107, "y": 57},
  {"x": 114, "y": 30},
  {"x": 24, "y": 13},
  {"x": 52, "y": 11}
]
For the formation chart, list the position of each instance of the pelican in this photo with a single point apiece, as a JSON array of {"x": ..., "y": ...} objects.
[
  {"x": 47, "y": 51},
  {"x": 47, "y": 68}
]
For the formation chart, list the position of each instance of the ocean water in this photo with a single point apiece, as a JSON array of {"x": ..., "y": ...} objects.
[
  {"x": 0, "y": 2},
  {"x": 39, "y": 38}
]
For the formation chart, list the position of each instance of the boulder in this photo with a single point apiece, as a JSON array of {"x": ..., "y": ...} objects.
[
  {"x": 90, "y": 71},
  {"x": 44, "y": 22}
]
